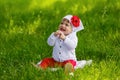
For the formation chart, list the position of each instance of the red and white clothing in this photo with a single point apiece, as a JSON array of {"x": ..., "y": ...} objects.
[{"x": 63, "y": 49}]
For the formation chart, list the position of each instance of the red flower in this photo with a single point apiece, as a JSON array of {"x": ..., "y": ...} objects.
[{"x": 75, "y": 21}]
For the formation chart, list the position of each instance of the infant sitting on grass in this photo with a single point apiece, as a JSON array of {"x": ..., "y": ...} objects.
[{"x": 64, "y": 42}]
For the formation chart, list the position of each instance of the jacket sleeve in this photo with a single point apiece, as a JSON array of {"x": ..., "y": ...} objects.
[
  {"x": 71, "y": 43},
  {"x": 51, "y": 40}
]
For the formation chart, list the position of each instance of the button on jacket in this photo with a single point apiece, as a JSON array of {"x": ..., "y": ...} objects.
[{"x": 63, "y": 49}]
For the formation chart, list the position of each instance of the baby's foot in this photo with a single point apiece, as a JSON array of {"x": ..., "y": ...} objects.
[
  {"x": 69, "y": 68},
  {"x": 35, "y": 65}
]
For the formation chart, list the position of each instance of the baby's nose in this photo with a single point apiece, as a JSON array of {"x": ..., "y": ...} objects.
[{"x": 63, "y": 25}]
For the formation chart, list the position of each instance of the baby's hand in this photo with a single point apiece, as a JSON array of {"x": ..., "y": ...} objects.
[
  {"x": 57, "y": 33},
  {"x": 60, "y": 34}
]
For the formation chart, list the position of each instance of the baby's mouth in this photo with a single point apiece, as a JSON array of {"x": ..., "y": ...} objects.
[{"x": 61, "y": 29}]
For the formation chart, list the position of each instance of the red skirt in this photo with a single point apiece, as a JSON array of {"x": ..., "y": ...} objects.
[{"x": 50, "y": 62}]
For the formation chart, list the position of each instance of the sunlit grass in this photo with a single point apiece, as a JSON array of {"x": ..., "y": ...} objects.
[
  {"x": 26, "y": 25},
  {"x": 42, "y": 3}
]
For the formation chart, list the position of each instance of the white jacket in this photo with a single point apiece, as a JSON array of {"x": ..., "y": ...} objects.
[{"x": 63, "y": 50}]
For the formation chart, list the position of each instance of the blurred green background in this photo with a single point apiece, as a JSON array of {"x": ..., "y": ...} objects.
[{"x": 25, "y": 26}]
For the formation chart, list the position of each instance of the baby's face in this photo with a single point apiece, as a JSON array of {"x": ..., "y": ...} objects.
[{"x": 65, "y": 27}]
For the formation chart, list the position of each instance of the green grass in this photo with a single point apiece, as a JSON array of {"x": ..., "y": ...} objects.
[{"x": 25, "y": 26}]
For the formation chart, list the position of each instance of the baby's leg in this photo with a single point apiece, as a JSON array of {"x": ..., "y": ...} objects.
[
  {"x": 69, "y": 66},
  {"x": 47, "y": 62}
]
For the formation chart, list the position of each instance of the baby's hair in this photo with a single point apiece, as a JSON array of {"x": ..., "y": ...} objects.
[{"x": 66, "y": 20}]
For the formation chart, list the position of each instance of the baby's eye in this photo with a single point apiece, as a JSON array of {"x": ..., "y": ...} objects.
[
  {"x": 66, "y": 24},
  {"x": 61, "y": 23}
]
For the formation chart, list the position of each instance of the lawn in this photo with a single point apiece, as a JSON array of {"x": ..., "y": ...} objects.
[{"x": 25, "y": 26}]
